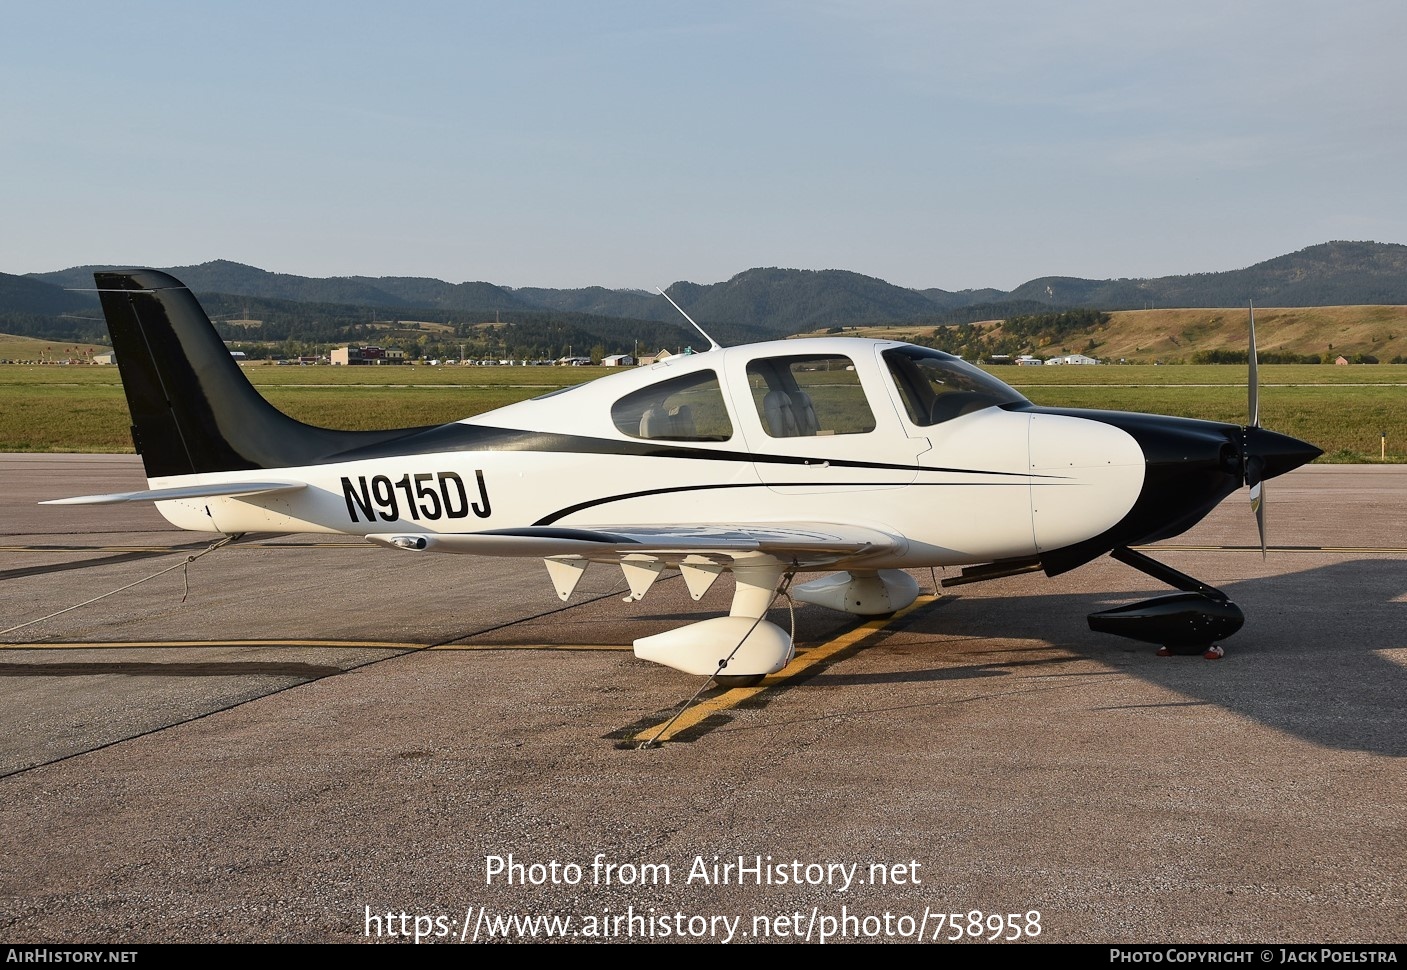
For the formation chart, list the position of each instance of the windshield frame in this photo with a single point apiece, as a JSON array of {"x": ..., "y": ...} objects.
[{"x": 936, "y": 387}]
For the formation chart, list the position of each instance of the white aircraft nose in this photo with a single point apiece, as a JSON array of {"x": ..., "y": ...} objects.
[{"x": 1086, "y": 476}]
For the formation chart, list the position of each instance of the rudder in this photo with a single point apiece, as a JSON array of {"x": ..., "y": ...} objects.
[{"x": 192, "y": 408}]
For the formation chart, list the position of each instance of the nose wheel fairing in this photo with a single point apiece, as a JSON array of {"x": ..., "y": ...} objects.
[
  {"x": 1181, "y": 623},
  {"x": 1188, "y": 622}
]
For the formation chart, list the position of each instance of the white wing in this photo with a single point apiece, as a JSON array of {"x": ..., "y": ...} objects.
[
  {"x": 700, "y": 551},
  {"x": 808, "y": 544}
]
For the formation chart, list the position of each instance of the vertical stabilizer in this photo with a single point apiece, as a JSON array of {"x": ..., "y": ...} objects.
[{"x": 193, "y": 410}]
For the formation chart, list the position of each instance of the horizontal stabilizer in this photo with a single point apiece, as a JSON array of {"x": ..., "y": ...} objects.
[{"x": 222, "y": 490}]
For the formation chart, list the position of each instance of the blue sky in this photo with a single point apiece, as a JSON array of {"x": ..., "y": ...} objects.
[{"x": 632, "y": 144}]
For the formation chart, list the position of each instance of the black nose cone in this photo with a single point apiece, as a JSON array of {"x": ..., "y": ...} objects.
[{"x": 1271, "y": 453}]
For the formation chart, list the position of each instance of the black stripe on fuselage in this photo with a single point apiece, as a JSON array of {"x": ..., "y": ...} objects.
[
  {"x": 459, "y": 437},
  {"x": 560, "y": 514}
]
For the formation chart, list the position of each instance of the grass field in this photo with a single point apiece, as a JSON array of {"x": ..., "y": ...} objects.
[
  {"x": 1174, "y": 335},
  {"x": 270, "y": 376},
  {"x": 1271, "y": 375},
  {"x": 29, "y": 348},
  {"x": 1342, "y": 409}
]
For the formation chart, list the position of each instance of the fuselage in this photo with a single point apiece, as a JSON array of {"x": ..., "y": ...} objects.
[
  {"x": 857, "y": 458},
  {"x": 883, "y": 434}
]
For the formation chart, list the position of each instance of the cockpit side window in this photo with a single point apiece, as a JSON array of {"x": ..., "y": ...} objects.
[
  {"x": 937, "y": 387},
  {"x": 685, "y": 408},
  {"x": 809, "y": 395}
]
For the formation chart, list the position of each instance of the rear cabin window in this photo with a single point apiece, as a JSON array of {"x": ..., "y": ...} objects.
[
  {"x": 686, "y": 408},
  {"x": 798, "y": 397}
]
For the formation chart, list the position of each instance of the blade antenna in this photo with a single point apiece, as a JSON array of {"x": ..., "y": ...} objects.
[
  {"x": 712, "y": 344},
  {"x": 1253, "y": 393}
]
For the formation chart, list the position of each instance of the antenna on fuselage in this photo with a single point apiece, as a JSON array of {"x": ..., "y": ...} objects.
[{"x": 712, "y": 344}]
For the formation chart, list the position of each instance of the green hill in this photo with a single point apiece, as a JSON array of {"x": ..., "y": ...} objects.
[{"x": 756, "y": 302}]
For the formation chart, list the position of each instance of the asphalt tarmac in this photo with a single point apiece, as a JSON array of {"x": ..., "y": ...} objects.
[{"x": 302, "y": 738}]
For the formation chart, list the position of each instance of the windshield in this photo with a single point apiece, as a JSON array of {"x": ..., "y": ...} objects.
[{"x": 938, "y": 387}]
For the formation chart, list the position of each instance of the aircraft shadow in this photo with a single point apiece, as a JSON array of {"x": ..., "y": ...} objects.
[{"x": 1310, "y": 660}]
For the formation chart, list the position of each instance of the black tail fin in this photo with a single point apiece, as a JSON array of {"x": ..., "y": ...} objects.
[{"x": 192, "y": 408}]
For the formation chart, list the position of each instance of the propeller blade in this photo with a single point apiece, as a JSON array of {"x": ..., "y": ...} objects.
[
  {"x": 1255, "y": 464},
  {"x": 1253, "y": 384},
  {"x": 1258, "y": 507},
  {"x": 1265, "y": 454}
]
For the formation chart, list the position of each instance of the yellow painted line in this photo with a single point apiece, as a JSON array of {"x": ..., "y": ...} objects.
[
  {"x": 555, "y": 647},
  {"x": 149, "y": 644},
  {"x": 157, "y": 549},
  {"x": 170, "y": 551},
  {"x": 803, "y": 661},
  {"x": 1387, "y": 550}
]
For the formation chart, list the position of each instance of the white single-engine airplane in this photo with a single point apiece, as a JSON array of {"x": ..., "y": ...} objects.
[{"x": 859, "y": 457}]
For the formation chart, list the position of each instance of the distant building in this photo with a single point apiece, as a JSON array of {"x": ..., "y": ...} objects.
[
  {"x": 656, "y": 358},
  {"x": 350, "y": 356},
  {"x": 618, "y": 360},
  {"x": 1026, "y": 360},
  {"x": 1341, "y": 361},
  {"x": 1072, "y": 359},
  {"x": 107, "y": 358}
]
